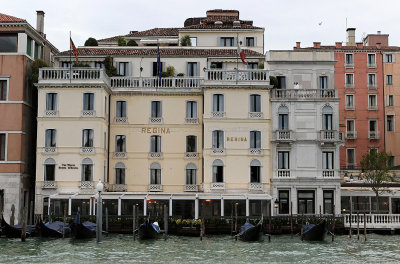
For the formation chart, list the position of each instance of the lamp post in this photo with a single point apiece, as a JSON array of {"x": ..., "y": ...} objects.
[
  {"x": 276, "y": 205},
  {"x": 99, "y": 222},
  {"x": 346, "y": 177}
]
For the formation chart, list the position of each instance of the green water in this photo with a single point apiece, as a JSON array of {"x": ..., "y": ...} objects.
[{"x": 213, "y": 249}]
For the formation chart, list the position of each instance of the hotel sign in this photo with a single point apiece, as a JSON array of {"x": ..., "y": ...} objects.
[
  {"x": 243, "y": 139},
  {"x": 67, "y": 167},
  {"x": 155, "y": 130}
]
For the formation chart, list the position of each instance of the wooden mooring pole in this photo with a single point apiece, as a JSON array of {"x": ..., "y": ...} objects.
[
  {"x": 165, "y": 221},
  {"x": 236, "y": 219},
  {"x": 301, "y": 228},
  {"x": 30, "y": 218},
  {"x": 12, "y": 217},
  {"x": 203, "y": 223},
  {"x": 351, "y": 211},
  {"x": 358, "y": 226},
  {"x": 134, "y": 222},
  {"x": 107, "y": 221},
  {"x": 23, "y": 232},
  {"x": 333, "y": 223},
  {"x": 291, "y": 220},
  {"x": 365, "y": 228},
  {"x": 64, "y": 220}
]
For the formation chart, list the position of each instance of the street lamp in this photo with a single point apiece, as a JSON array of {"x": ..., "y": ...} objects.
[
  {"x": 346, "y": 177},
  {"x": 351, "y": 177},
  {"x": 99, "y": 222}
]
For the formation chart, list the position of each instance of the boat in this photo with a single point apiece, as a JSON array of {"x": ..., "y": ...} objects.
[
  {"x": 148, "y": 230},
  {"x": 54, "y": 229},
  {"x": 250, "y": 232},
  {"x": 16, "y": 230},
  {"x": 83, "y": 230},
  {"x": 312, "y": 232}
]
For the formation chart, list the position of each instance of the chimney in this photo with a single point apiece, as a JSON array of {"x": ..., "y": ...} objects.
[
  {"x": 298, "y": 44},
  {"x": 378, "y": 45},
  {"x": 351, "y": 37},
  {"x": 359, "y": 45},
  {"x": 378, "y": 32},
  {"x": 40, "y": 22},
  {"x": 317, "y": 45},
  {"x": 338, "y": 45}
]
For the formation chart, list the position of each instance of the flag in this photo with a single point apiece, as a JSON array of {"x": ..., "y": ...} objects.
[
  {"x": 241, "y": 55},
  {"x": 74, "y": 49},
  {"x": 159, "y": 68}
]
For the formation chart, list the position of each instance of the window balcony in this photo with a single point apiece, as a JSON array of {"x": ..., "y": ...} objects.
[
  {"x": 302, "y": 94},
  {"x": 49, "y": 150},
  {"x": 218, "y": 151},
  {"x": 349, "y": 65},
  {"x": 155, "y": 120},
  {"x": 155, "y": 155},
  {"x": 87, "y": 185},
  {"x": 88, "y": 113},
  {"x": 255, "y": 186},
  {"x": 218, "y": 185},
  {"x": 191, "y": 155},
  {"x": 284, "y": 135},
  {"x": 191, "y": 188},
  {"x": 87, "y": 150},
  {"x": 256, "y": 115},
  {"x": 120, "y": 155},
  {"x": 155, "y": 188},
  {"x": 372, "y": 107},
  {"x": 241, "y": 76},
  {"x": 49, "y": 185},
  {"x": 167, "y": 83},
  {"x": 255, "y": 151},
  {"x": 351, "y": 134},
  {"x": 191, "y": 120},
  {"x": 217, "y": 114},
  {"x": 283, "y": 173},
  {"x": 349, "y": 107},
  {"x": 121, "y": 120},
  {"x": 371, "y": 65},
  {"x": 50, "y": 113},
  {"x": 119, "y": 187},
  {"x": 373, "y": 135},
  {"x": 330, "y": 135},
  {"x": 328, "y": 173},
  {"x": 372, "y": 86}
]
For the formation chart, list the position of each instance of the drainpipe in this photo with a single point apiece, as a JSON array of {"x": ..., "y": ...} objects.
[{"x": 383, "y": 100}]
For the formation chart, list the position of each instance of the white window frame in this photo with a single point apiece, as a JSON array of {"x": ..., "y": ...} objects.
[
  {"x": 393, "y": 118},
  {"x": 373, "y": 106},
  {"x": 389, "y": 77},
  {"x": 5, "y": 146},
  {"x": 352, "y": 59},
  {"x": 354, "y": 157},
  {"x": 368, "y": 62},
  {"x": 390, "y": 100},
  {"x": 7, "y": 79},
  {"x": 348, "y": 106}
]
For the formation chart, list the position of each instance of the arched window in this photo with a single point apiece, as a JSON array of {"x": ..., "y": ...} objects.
[
  {"x": 327, "y": 113},
  {"x": 120, "y": 173},
  {"x": 218, "y": 170},
  {"x": 87, "y": 169},
  {"x": 283, "y": 117},
  {"x": 155, "y": 173},
  {"x": 255, "y": 171},
  {"x": 49, "y": 169},
  {"x": 191, "y": 170}
]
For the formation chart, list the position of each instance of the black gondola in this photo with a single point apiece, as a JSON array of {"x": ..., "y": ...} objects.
[
  {"x": 249, "y": 232},
  {"x": 313, "y": 232},
  {"x": 83, "y": 230},
  {"x": 16, "y": 230},
  {"x": 148, "y": 230},
  {"x": 54, "y": 229}
]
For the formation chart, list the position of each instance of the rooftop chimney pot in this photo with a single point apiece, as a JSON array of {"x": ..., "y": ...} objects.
[
  {"x": 40, "y": 21},
  {"x": 298, "y": 44},
  {"x": 317, "y": 45},
  {"x": 338, "y": 45}
]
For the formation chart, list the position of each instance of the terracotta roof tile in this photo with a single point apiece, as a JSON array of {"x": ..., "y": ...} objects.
[
  {"x": 159, "y": 32},
  {"x": 346, "y": 48},
  {"x": 212, "y": 25},
  {"x": 10, "y": 19}
]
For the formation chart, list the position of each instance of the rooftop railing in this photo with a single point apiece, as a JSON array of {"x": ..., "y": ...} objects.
[
  {"x": 250, "y": 75},
  {"x": 303, "y": 94}
]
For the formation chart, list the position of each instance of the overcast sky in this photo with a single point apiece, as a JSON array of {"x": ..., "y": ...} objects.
[{"x": 285, "y": 21}]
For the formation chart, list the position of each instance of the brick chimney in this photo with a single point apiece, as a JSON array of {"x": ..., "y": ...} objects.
[
  {"x": 351, "y": 37},
  {"x": 378, "y": 45},
  {"x": 298, "y": 44},
  {"x": 359, "y": 45},
  {"x": 40, "y": 22},
  {"x": 317, "y": 45},
  {"x": 338, "y": 45}
]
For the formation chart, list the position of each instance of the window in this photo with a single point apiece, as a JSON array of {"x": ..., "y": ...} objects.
[
  {"x": 391, "y": 161},
  {"x": 255, "y": 103},
  {"x": 99, "y": 64},
  {"x": 155, "y": 144},
  {"x": 155, "y": 109},
  {"x": 327, "y": 160},
  {"x": 390, "y": 100},
  {"x": 349, "y": 101},
  {"x": 349, "y": 79},
  {"x": 389, "y": 58},
  {"x": 88, "y": 101},
  {"x": 105, "y": 106},
  {"x": 227, "y": 42},
  {"x": 120, "y": 109},
  {"x": 350, "y": 158},
  {"x": 120, "y": 143},
  {"x": 50, "y": 140},
  {"x": 255, "y": 171},
  {"x": 191, "y": 109},
  {"x": 327, "y": 113},
  {"x": 350, "y": 125},
  {"x": 123, "y": 69},
  {"x": 283, "y": 196},
  {"x": 191, "y": 173},
  {"x": 281, "y": 82},
  {"x": 349, "y": 59},
  {"x": 156, "y": 69},
  {"x": 3, "y": 90},
  {"x": 51, "y": 101},
  {"x": 372, "y": 126},
  {"x": 65, "y": 64},
  {"x": 2, "y": 147},
  {"x": 371, "y": 59},
  {"x": 218, "y": 171},
  {"x": 389, "y": 79},
  {"x": 49, "y": 169},
  {"x": 191, "y": 144},
  {"x": 193, "y": 41},
  {"x": 255, "y": 139},
  {"x": 87, "y": 138},
  {"x": 36, "y": 52},
  {"x": 328, "y": 202},
  {"x": 283, "y": 118},
  {"x": 372, "y": 101},
  {"x": 155, "y": 173},
  {"x": 29, "y": 46},
  {"x": 250, "y": 42},
  {"x": 371, "y": 79},
  {"x": 87, "y": 170},
  {"x": 8, "y": 42},
  {"x": 306, "y": 202},
  {"x": 192, "y": 69},
  {"x": 252, "y": 65},
  {"x": 283, "y": 160},
  {"x": 120, "y": 173},
  {"x": 390, "y": 123},
  {"x": 323, "y": 82},
  {"x": 218, "y": 103},
  {"x": 218, "y": 139}
]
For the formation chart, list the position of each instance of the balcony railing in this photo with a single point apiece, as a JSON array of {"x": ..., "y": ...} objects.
[
  {"x": 155, "y": 120},
  {"x": 120, "y": 155},
  {"x": 87, "y": 185},
  {"x": 49, "y": 185},
  {"x": 218, "y": 151},
  {"x": 50, "y": 113},
  {"x": 349, "y": 85},
  {"x": 351, "y": 134},
  {"x": 218, "y": 185},
  {"x": 371, "y": 65},
  {"x": 87, "y": 150},
  {"x": 191, "y": 188},
  {"x": 372, "y": 107},
  {"x": 303, "y": 94},
  {"x": 121, "y": 120},
  {"x": 330, "y": 135},
  {"x": 119, "y": 187},
  {"x": 155, "y": 155},
  {"x": 191, "y": 120},
  {"x": 255, "y": 115},
  {"x": 373, "y": 134},
  {"x": 381, "y": 221},
  {"x": 255, "y": 186},
  {"x": 284, "y": 135},
  {"x": 88, "y": 113},
  {"x": 349, "y": 107},
  {"x": 283, "y": 173},
  {"x": 155, "y": 188},
  {"x": 372, "y": 86},
  {"x": 251, "y": 75},
  {"x": 191, "y": 155},
  {"x": 255, "y": 151},
  {"x": 74, "y": 74},
  {"x": 328, "y": 174},
  {"x": 218, "y": 114},
  {"x": 50, "y": 150},
  {"x": 154, "y": 82}
]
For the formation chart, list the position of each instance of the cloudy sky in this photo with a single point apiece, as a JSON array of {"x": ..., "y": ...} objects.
[{"x": 285, "y": 21}]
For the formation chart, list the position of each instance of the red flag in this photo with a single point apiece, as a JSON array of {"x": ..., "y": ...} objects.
[
  {"x": 74, "y": 50},
  {"x": 241, "y": 55}
]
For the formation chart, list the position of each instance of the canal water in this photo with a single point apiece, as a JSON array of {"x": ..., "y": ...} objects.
[{"x": 213, "y": 249}]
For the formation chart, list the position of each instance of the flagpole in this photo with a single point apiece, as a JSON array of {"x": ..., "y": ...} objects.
[
  {"x": 237, "y": 57},
  {"x": 70, "y": 57}
]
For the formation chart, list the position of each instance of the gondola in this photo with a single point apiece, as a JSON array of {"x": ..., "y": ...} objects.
[
  {"x": 249, "y": 232},
  {"x": 148, "y": 230},
  {"x": 83, "y": 230},
  {"x": 54, "y": 229},
  {"x": 316, "y": 232},
  {"x": 16, "y": 230}
]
